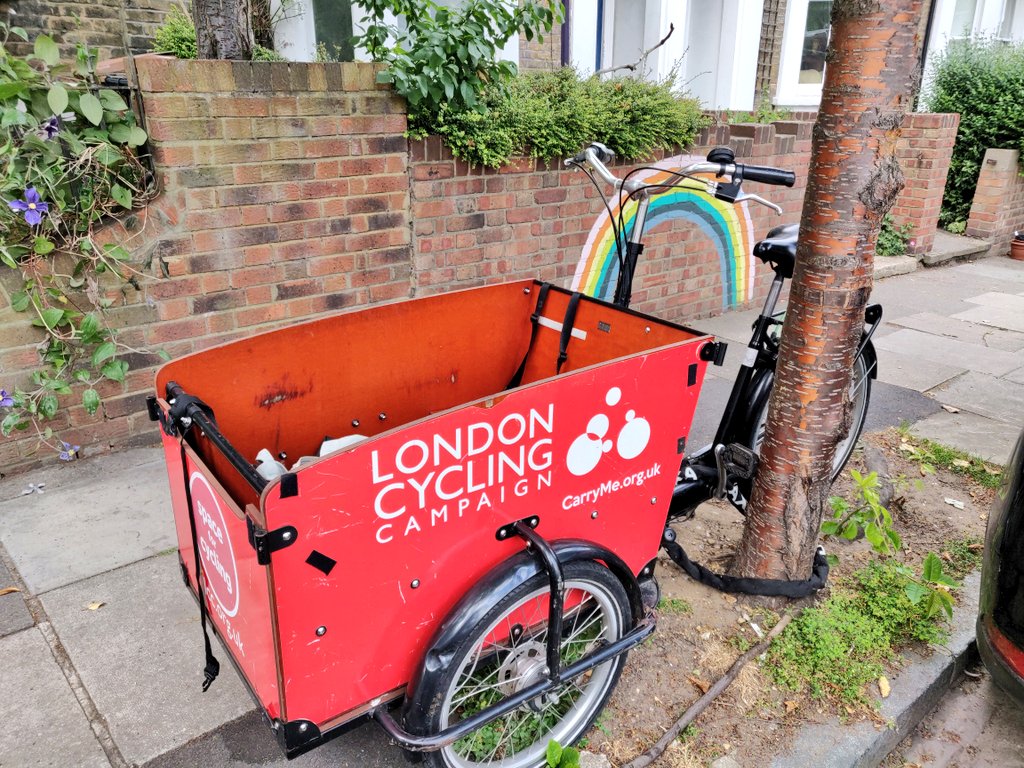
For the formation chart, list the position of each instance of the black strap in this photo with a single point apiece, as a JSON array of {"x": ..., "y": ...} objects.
[
  {"x": 567, "y": 324},
  {"x": 750, "y": 586},
  {"x": 212, "y": 665},
  {"x": 542, "y": 296}
]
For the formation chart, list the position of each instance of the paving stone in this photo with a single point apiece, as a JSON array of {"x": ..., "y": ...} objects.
[
  {"x": 14, "y": 616},
  {"x": 988, "y": 439},
  {"x": 140, "y": 657},
  {"x": 961, "y": 330},
  {"x": 911, "y": 371},
  {"x": 1017, "y": 377},
  {"x": 949, "y": 352},
  {"x": 984, "y": 395},
  {"x": 93, "y": 516},
  {"x": 39, "y": 711},
  {"x": 997, "y": 317},
  {"x": 998, "y": 299}
]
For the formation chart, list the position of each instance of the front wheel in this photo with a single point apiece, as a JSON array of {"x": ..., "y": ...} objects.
[
  {"x": 858, "y": 395},
  {"x": 505, "y": 653}
]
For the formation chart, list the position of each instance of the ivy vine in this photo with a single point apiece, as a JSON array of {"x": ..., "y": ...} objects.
[{"x": 71, "y": 161}]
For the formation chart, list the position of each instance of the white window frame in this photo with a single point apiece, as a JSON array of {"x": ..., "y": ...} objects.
[{"x": 790, "y": 91}]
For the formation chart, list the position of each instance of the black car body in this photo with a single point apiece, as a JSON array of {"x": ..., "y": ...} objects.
[{"x": 1001, "y": 613}]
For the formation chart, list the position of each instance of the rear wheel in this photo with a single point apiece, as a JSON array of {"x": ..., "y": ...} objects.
[
  {"x": 506, "y": 653},
  {"x": 858, "y": 395}
]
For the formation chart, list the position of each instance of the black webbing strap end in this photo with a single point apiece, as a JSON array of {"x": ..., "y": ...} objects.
[
  {"x": 210, "y": 672},
  {"x": 567, "y": 326},
  {"x": 542, "y": 297}
]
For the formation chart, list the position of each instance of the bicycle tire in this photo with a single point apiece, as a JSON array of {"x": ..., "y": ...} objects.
[
  {"x": 518, "y": 660},
  {"x": 861, "y": 384}
]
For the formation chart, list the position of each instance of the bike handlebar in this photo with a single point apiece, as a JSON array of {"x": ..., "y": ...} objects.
[{"x": 596, "y": 155}]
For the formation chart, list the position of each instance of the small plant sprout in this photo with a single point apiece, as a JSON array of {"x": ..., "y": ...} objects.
[
  {"x": 558, "y": 756},
  {"x": 866, "y": 514}
]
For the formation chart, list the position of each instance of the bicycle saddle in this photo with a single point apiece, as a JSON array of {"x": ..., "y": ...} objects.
[{"x": 779, "y": 249}]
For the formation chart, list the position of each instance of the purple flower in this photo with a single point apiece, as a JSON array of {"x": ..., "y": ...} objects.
[
  {"x": 69, "y": 452},
  {"x": 6, "y": 401},
  {"x": 33, "y": 207},
  {"x": 50, "y": 128}
]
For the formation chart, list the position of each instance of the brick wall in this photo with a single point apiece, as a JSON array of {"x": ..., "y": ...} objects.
[
  {"x": 924, "y": 151},
  {"x": 288, "y": 191},
  {"x": 472, "y": 226},
  {"x": 541, "y": 55},
  {"x": 998, "y": 207},
  {"x": 96, "y": 22}
]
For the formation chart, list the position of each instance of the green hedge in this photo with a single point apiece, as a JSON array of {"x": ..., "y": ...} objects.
[
  {"x": 984, "y": 82},
  {"x": 552, "y": 115}
]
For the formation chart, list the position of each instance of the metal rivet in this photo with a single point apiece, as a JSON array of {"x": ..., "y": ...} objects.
[
  {"x": 355, "y": 422},
  {"x": 525, "y": 290},
  {"x": 533, "y": 522},
  {"x": 382, "y": 416},
  {"x": 654, "y": 500},
  {"x": 303, "y": 727},
  {"x": 321, "y": 631},
  {"x": 647, "y": 329},
  {"x": 501, "y": 534},
  {"x": 415, "y": 584},
  {"x": 593, "y": 515},
  {"x": 282, "y": 455},
  {"x": 287, "y": 535}
]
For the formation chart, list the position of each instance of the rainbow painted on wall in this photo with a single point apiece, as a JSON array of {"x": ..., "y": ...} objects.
[{"x": 727, "y": 225}]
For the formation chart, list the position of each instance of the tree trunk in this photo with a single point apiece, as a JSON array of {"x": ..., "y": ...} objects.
[
  {"x": 873, "y": 71},
  {"x": 223, "y": 28}
]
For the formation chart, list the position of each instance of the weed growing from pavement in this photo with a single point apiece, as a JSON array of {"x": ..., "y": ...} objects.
[
  {"x": 674, "y": 606},
  {"x": 930, "y": 456},
  {"x": 962, "y": 555}
]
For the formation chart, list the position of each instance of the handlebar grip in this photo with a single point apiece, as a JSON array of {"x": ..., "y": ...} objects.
[{"x": 767, "y": 175}]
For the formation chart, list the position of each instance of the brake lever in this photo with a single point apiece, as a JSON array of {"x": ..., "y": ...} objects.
[{"x": 744, "y": 196}]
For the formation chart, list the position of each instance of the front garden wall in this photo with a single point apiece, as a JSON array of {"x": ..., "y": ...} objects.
[{"x": 288, "y": 191}]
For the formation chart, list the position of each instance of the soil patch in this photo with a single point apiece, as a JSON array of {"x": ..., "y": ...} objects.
[{"x": 701, "y": 632}]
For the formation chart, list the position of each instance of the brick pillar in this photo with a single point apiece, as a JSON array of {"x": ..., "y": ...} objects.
[{"x": 998, "y": 207}]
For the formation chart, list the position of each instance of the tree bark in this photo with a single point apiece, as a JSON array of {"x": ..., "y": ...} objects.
[
  {"x": 223, "y": 28},
  {"x": 872, "y": 73}
]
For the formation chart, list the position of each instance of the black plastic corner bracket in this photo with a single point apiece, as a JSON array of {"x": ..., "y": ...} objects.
[
  {"x": 714, "y": 352},
  {"x": 508, "y": 530},
  {"x": 152, "y": 408},
  {"x": 267, "y": 542},
  {"x": 297, "y": 736}
]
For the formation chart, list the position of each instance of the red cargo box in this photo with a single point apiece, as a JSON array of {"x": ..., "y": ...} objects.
[{"x": 327, "y": 584}]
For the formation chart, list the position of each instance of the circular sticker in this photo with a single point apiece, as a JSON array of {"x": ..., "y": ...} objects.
[{"x": 215, "y": 551}]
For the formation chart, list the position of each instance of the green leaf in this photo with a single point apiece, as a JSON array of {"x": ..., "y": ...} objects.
[
  {"x": 91, "y": 108},
  {"x": 112, "y": 100},
  {"x": 830, "y": 528},
  {"x": 468, "y": 94},
  {"x": 122, "y": 196},
  {"x": 553, "y": 754},
  {"x": 52, "y": 316},
  {"x": 48, "y": 405},
  {"x": 82, "y": 376},
  {"x": 57, "y": 98},
  {"x": 47, "y": 50},
  {"x": 137, "y": 137},
  {"x": 91, "y": 401},
  {"x": 19, "y": 301},
  {"x": 115, "y": 370},
  {"x": 850, "y": 531},
  {"x": 104, "y": 351},
  {"x": 915, "y": 592},
  {"x": 7, "y": 90},
  {"x": 570, "y": 758},
  {"x": 11, "y": 422},
  {"x": 42, "y": 246},
  {"x": 163, "y": 355},
  {"x": 932, "y": 567},
  {"x": 119, "y": 133}
]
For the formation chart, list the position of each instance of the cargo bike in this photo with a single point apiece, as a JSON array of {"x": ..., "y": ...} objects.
[{"x": 466, "y": 562}]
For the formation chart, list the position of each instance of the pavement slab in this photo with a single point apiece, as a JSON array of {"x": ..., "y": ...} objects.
[
  {"x": 998, "y": 299},
  {"x": 94, "y": 515},
  {"x": 14, "y": 614},
  {"x": 997, "y": 317},
  {"x": 44, "y": 725},
  {"x": 949, "y": 352},
  {"x": 961, "y": 330},
  {"x": 911, "y": 371},
  {"x": 984, "y": 395},
  {"x": 979, "y": 436},
  {"x": 248, "y": 742},
  {"x": 140, "y": 656}
]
